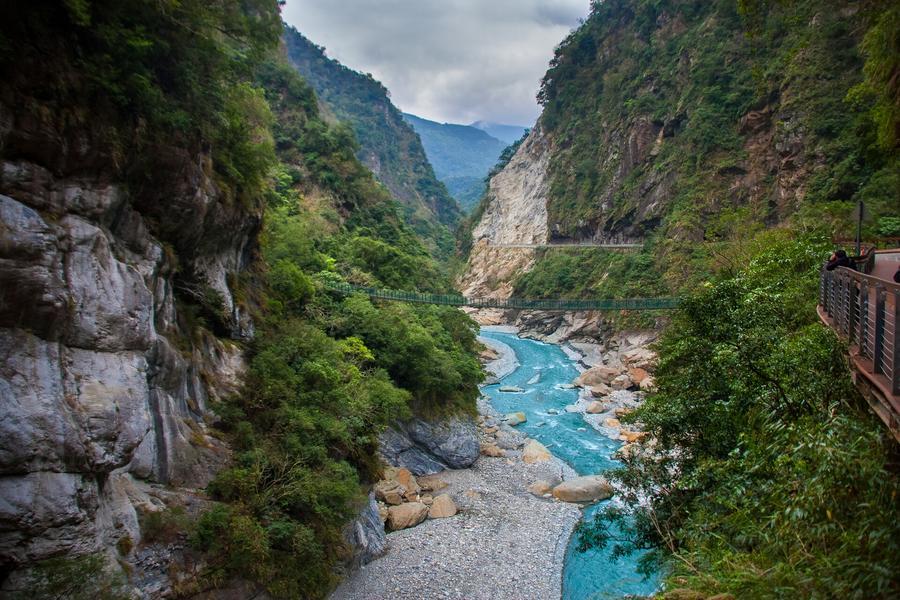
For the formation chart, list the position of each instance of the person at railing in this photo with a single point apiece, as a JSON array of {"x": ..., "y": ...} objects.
[
  {"x": 838, "y": 259},
  {"x": 897, "y": 275}
]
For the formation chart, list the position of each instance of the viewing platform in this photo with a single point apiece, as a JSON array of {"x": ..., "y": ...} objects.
[{"x": 863, "y": 307}]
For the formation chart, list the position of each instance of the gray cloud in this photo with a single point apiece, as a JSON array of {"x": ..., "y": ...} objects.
[{"x": 447, "y": 60}]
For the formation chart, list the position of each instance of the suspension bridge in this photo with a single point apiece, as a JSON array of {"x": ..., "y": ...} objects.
[{"x": 511, "y": 303}]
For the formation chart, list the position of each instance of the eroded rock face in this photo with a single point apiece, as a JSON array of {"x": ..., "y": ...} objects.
[
  {"x": 516, "y": 214},
  {"x": 102, "y": 392},
  {"x": 426, "y": 447},
  {"x": 366, "y": 534}
]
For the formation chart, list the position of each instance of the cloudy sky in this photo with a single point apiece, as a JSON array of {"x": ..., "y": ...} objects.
[{"x": 447, "y": 60}]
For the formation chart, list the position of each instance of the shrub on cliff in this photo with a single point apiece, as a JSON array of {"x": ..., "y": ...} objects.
[{"x": 771, "y": 478}]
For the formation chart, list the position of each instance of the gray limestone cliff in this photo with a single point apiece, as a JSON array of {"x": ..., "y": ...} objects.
[{"x": 106, "y": 376}]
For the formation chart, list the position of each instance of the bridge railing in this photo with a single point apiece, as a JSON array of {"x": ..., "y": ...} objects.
[
  {"x": 865, "y": 311},
  {"x": 509, "y": 303}
]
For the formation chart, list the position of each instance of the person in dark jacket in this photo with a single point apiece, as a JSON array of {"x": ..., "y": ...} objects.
[
  {"x": 839, "y": 259},
  {"x": 897, "y": 275}
]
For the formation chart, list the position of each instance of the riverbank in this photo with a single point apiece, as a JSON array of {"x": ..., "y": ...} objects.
[{"x": 504, "y": 544}]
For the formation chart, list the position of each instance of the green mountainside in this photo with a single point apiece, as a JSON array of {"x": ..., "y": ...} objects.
[
  {"x": 461, "y": 155},
  {"x": 192, "y": 109},
  {"x": 388, "y": 146},
  {"x": 693, "y": 124},
  {"x": 735, "y": 138}
]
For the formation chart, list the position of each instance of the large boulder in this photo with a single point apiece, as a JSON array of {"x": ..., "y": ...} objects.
[
  {"x": 426, "y": 447},
  {"x": 583, "y": 489},
  {"x": 442, "y": 507},
  {"x": 535, "y": 452},
  {"x": 596, "y": 376},
  {"x": 516, "y": 418},
  {"x": 406, "y": 515}
]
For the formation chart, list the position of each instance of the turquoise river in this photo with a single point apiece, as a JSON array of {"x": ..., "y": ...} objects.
[{"x": 543, "y": 369}]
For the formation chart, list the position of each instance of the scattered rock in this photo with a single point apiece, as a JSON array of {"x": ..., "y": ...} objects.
[
  {"x": 426, "y": 499},
  {"x": 406, "y": 515},
  {"x": 638, "y": 375},
  {"x": 632, "y": 436},
  {"x": 595, "y": 408},
  {"x": 600, "y": 390},
  {"x": 596, "y": 375},
  {"x": 622, "y": 411},
  {"x": 408, "y": 481},
  {"x": 442, "y": 507},
  {"x": 622, "y": 382},
  {"x": 583, "y": 489},
  {"x": 492, "y": 450},
  {"x": 611, "y": 422},
  {"x": 389, "y": 491},
  {"x": 516, "y": 418},
  {"x": 431, "y": 483},
  {"x": 540, "y": 488},
  {"x": 535, "y": 452}
]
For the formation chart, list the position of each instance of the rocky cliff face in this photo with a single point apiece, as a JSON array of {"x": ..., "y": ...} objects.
[
  {"x": 106, "y": 379},
  {"x": 515, "y": 213}
]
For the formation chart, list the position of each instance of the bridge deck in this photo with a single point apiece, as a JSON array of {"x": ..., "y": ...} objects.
[
  {"x": 622, "y": 246},
  {"x": 510, "y": 303},
  {"x": 865, "y": 311}
]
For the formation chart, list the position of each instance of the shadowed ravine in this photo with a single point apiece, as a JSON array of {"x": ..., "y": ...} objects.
[{"x": 543, "y": 369}]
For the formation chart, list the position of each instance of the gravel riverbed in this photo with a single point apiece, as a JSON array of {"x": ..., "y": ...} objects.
[{"x": 504, "y": 544}]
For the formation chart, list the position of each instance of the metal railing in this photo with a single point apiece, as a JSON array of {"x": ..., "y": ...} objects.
[
  {"x": 865, "y": 311},
  {"x": 511, "y": 303}
]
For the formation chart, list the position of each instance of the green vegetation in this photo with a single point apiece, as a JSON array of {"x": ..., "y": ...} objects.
[
  {"x": 689, "y": 122},
  {"x": 387, "y": 144},
  {"x": 770, "y": 477},
  {"x": 461, "y": 155},
  {"x": 327, "y": 373},
  {"x": 85, "y": 577}
]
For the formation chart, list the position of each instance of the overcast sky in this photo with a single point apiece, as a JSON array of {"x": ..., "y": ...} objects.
[{"x": 447, "y": 60}]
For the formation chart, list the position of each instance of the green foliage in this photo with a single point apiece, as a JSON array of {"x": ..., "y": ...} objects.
[
  {"x": 87, "y": 577},
  {"x": 164, "y": 526},
  {"x": 166, "y": 73},
  {"x": 387, "y": 144},
  {"x": 770, "y": 477},
  {"x": 648, "y": 104}
]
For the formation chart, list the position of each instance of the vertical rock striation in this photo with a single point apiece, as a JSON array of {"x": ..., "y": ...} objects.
[{"x": 105, "y": 379}]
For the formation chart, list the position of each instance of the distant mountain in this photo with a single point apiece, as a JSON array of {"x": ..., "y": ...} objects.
[
  {"x": 505, "y": 133},
  {"x": 388, "y": 145},
  {"x": 462, "y": 156}
]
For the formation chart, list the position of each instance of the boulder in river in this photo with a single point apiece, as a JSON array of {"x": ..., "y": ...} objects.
[
  {"x": 516, "y": 418},
  {"x": 442, "y": 507},
  {"x": 583, "y": 489},
  {"x": 406, "y": 515},
  {"x": 513, "y": 389},
  {"x": 535, "y": 452}
]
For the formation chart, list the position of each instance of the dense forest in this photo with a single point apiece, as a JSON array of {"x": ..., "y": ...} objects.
[
  {"x": 745, "y": 133},
  {"x": 156, "y": 83},
  {"x": 692, "y": 124},
  {"x": 462, "y": 156},
  {"x": 388, "y": 145}
]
